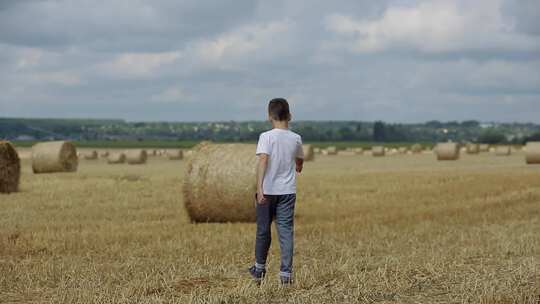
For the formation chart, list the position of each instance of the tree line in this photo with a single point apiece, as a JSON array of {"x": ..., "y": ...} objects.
[{"x": 319, "y": 131}]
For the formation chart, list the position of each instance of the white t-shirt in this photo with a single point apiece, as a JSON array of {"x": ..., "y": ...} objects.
[{"x": 283, "y": 147}]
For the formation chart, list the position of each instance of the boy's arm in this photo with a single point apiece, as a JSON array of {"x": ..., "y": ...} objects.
[
  {"x": 261, "y": 170},
  {"x": 299, "y": 164}
]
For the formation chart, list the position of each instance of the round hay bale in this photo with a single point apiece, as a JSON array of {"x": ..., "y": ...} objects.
[
  {"x": 309, "y": 154},
  {"x": 532, "y": 152},
  {"x": 331, "y": 150},
  {"x": 403, "y": 150},
  {"x": 92, "y": 155},
  {"x": 116, "y": 158},
  {"x": 472, "y": 148},
  {"x": 324, "y": 152},
  {"x": 176, "y": 154},
  {"x": 220, "y": 183},
  {"x": 54, "y": 156},
  {"x": 346, "y": 153},
  {"x": 104, "y": 154},
  {"x": 483, "y": 148},
  {"x": 358, "y": 151},
  {"x": 378, "y": 151},
  {"x": 447, "y": 151},
  {"x": 317, "y": 150},
  {"x": 136, "y": 157},
  {"x": 417, "y": 148},
  {"x": 503, "y": 150},
  {"x": 10, "y": 168}
]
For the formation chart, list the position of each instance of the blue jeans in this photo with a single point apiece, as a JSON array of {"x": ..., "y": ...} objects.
[{"x": 280, "y": 208}]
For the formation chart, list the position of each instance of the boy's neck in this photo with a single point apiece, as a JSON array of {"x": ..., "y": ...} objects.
[{"x": 276, "y": 124}]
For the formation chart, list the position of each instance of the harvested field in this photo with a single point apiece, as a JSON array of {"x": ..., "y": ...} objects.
[{"x": 401, "y": 229}]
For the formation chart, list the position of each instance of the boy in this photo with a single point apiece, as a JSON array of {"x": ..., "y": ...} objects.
[{"x": 280, "y": 153}]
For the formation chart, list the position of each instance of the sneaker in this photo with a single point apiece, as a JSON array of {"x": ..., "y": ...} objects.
[
  {"x": 257, "y": 274},
  {"x": 285, "y": 280}
]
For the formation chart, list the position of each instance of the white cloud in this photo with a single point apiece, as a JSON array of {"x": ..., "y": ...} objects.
[
  {"x": 248, "y": 40},
  {"x": 138, "y": 65},
  {"x": 170, "y": 95},
  {"x": 64, "y": 78},
  {"x": 433, "y": 27}
]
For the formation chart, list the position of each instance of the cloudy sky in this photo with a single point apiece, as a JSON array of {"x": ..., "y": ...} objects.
[{"x": 399, "y": 61}]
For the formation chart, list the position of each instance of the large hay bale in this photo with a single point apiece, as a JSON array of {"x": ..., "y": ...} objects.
[
  {"x": 54, "y": 156},
  {"x": 116, "y": 158},
  {"x": 532, "y": 152},
  {"x": 220, "y": 183},
  {"x": 92, "y": 155},
  {"x": 378, "y": 151},
  {"x": 447, "y": 151},
  {"x": 176, "y": 154},
  {"x": 503, "y": 150},
  {"x": 472, "y": 148},
  {"x": 10, "y": 168},
  {"x": 309, "y": 154},
  {"x": 136, "y": 157},
  {"x": 417, "y": 148},
  {"x": 331, "y": 150}
]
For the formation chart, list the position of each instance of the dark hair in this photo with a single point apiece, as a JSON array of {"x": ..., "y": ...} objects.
[{"x": 278, "y": 109}]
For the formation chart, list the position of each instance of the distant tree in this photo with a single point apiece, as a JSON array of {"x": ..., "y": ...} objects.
[
  {"x": 434, "y": 124},
  {"x": 491, "y": 136},
  {"x": 534, "y": 137},
  {"x": 346, "y": 133},
  {"x": 379, "y": 131},
  {"x": 470, "y": 124}
]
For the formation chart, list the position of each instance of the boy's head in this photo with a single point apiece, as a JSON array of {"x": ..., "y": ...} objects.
[{"x": 278, "y": 109}]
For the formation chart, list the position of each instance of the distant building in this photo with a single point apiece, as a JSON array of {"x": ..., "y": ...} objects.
[{"x": 25, "y": 138}]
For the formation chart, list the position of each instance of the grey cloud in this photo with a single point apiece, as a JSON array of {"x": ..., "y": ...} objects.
[{"x": 222, "y": 60}]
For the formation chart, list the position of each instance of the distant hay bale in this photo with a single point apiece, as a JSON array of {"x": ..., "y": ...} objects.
[
  {"x": 104, "y": 154},
  {"x": 483, "y": 148},
  {"x": 403, "y": 150},
  {"x": 317, "y": 150},
  {"x": 358, "y": 151},
  {"x": 447, "y": 151},
  {"x": 417, "y": 148},
  {"x": 346, "y": 153},
  {"x": 54, "y": 156},
  {"x": 219, "y": 184},
  {"x": 10, "y": 168},
  {"x": 378, "y": 151},
  {"x": 136, "y": 157},
  {"x": 116, "y": 158},
  {"x": 309, "y": 154},
  {"x": 176, "y": 154},
  {"x": 331, "y": 150},
  {"x": 503, "y": 150},
  {"x": 532, "y": 152},
  {"x": 324, "y": 152},
  {"x": 92, "y": 155},
  {"x": 472, "y": 148}
]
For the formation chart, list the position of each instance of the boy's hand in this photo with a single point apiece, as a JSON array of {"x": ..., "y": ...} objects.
[
  {"x": 260, "y": 197},
  {"x": 299, "y": 165}
]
